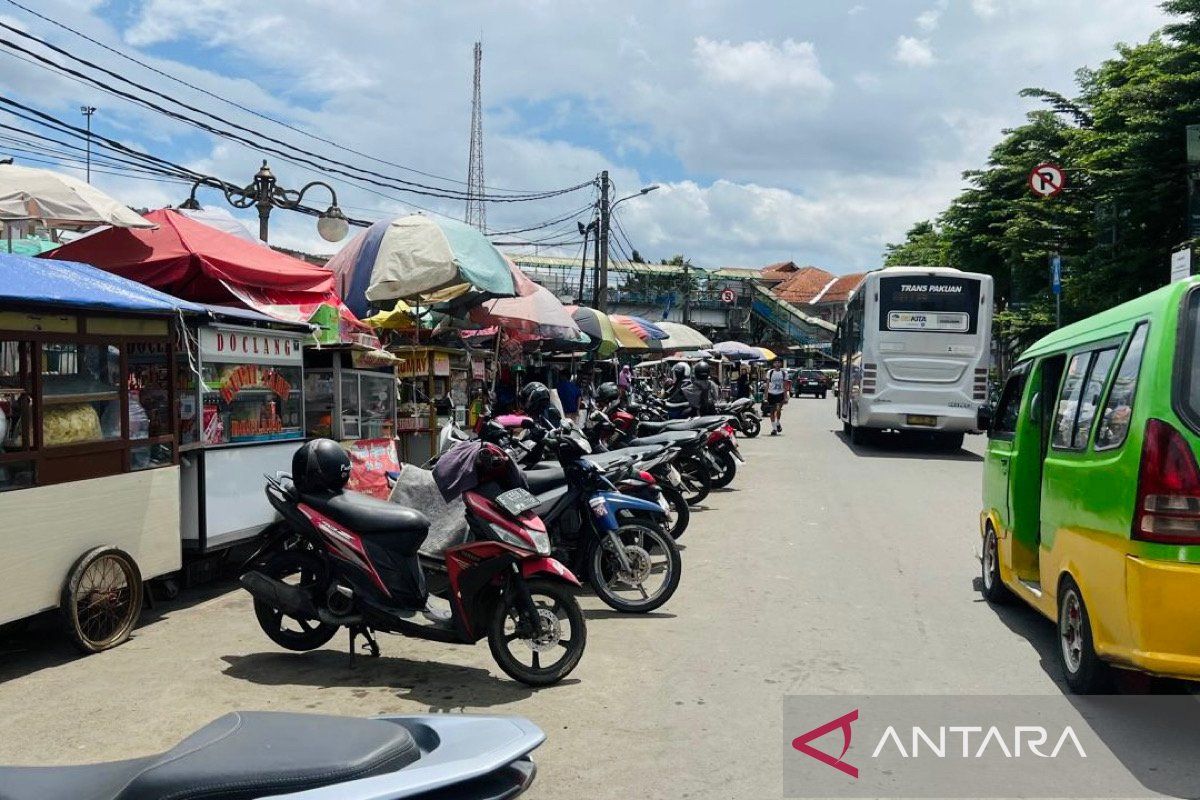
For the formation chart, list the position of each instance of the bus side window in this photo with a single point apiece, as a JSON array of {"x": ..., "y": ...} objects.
[
  {"x": 1118, "y": 410},
  {"x": 1009, "y": 407}
]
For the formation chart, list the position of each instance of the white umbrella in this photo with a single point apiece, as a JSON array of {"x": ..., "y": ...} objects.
[
  {"x": 60, "y": 201},
  {"x": 682, "y": 337}
]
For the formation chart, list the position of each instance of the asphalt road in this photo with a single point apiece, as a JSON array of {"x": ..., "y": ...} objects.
[{"x": 826, "y": 569}]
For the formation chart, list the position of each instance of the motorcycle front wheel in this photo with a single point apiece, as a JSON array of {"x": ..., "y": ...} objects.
[
  {"x": 751, "y": 426},
  {"x": 301, "y": 569},
  {"x": 547, "y": 655},
  {"x": 653, "y": 572}
]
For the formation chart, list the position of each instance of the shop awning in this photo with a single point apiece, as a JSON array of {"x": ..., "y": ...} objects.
[
  {"x": 193, "y": 260},
  {"x": 27, "y": 281}
]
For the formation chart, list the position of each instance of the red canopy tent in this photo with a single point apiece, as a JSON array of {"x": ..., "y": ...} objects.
[{"x": 197, "y": 262}]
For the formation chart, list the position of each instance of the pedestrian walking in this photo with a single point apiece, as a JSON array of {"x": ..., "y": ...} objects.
[{"x": 776, "y": 394}]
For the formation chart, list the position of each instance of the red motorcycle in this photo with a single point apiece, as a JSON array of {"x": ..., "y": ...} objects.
[{"x": 344, "y": 559}]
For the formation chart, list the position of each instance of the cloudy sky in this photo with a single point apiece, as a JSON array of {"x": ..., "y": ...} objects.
[{"x": 811, "y": 130}]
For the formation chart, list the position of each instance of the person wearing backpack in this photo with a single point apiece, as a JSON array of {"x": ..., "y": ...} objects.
[{"x": 776, "y": 394}]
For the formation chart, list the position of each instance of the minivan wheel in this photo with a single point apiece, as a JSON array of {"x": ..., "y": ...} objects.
[
  {"x": 1083, "y": 669},
  {"x": 992, "y": 587}
]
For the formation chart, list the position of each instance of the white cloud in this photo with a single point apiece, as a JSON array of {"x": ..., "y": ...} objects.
[
  {"x": 856, "y": 10},
  {"x": 762, "y": 66},
  {"x": 984, "y": 8},
  {"x": 914, "y": 52},
  {"x": 928, "y": 20}
]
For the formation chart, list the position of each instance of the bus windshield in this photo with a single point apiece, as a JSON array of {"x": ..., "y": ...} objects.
[{"x": 929, "y": 303}]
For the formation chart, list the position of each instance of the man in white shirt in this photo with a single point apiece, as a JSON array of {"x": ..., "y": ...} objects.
[{"x": 776, "y": 394}]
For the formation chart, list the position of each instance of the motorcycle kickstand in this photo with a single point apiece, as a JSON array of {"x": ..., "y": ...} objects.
[{"x": 369, "y": 642}]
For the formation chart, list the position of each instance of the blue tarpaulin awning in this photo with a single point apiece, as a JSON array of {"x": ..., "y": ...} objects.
[{"x": 47, "y": 282}]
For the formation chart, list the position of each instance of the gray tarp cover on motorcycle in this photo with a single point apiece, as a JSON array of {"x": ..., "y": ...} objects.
[{"x": 416, "y": 488}]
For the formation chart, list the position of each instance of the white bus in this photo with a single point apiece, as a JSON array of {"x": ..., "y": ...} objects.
[{"x": 914, "y": 348}]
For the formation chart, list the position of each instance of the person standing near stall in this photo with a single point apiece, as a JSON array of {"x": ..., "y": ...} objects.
[
  {"x": 741, "y": 387},
  {"x": 624, "y": 379},
  {"x": 776, "y": 394}
]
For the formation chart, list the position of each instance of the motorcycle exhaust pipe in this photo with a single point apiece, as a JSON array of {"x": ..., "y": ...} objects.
[{"x": 291, "y": 600}]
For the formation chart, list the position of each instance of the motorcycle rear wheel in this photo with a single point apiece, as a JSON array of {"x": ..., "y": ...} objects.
[
  {"x": 696, "y": 480},
  {"x": 679, "y": 508},
  {"x": 297, "y": 568},
  {"x": 751, "y": 426},
  {"x": 728, "y": 470},
  {"x": 552, "y": 599}
]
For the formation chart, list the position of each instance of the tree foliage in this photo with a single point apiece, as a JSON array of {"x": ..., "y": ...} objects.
[{"x": 1121, "y": 139}]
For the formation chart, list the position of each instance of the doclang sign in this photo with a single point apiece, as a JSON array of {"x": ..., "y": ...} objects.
[{"x": 990, "y": 746}]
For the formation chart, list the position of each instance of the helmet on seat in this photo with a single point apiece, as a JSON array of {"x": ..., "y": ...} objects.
[
  {"x": 607, "y": 392},
  {"x": 321, "y": 465},
  {"x": 534, "y": 398},
  {"x": 682, "y": 371},
  {"x": 702, "y": 372}
]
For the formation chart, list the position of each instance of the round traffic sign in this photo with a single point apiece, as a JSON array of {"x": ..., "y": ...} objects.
[
  {"x": 727, "y": 296},
  {"x": 1047, "y": 179}
]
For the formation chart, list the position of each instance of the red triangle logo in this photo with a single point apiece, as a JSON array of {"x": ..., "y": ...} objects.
[{"x": 801, "y": 743}]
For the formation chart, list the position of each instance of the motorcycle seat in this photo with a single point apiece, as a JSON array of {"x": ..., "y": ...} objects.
[
  {"x": 544, "y": 478},
  {"x": 239, "y": 756},
  {"x": 372, "y": 518},
  {"x": 677, "y": 438}
]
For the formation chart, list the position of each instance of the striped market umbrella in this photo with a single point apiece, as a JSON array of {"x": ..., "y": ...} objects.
[
  {"x": 535, "y": 310},
  {"x": 682, "y": 337},
  {"x": 766, "y": 353},
  {"x": 737, "y": 351},
  {"x": 643, "y": 328},
  {"x": 628, "y": 339},
  {"x": 598, "y": 327}
]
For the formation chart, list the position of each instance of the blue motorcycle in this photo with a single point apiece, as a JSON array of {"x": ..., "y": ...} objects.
[{"x": 620, "y": 542}]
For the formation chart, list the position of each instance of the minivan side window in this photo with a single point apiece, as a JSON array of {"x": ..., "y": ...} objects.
[
  {"x": 1093, "y": 391},
  {"x": 1068, "y": 401},
  {"x": 1009, "y": 407},
  {"x": 1118, "y": 411}
]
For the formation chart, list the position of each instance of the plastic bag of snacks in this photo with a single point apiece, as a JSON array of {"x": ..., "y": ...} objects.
[{"x": 70, "y": 424}]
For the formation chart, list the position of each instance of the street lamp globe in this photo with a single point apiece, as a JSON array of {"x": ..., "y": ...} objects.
[{"x": 333, "y": 225}]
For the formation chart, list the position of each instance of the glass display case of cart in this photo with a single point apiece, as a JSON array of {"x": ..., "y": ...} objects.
[
  {"x": 345, "y": 399},
  {"x": 252, "y": 387}
]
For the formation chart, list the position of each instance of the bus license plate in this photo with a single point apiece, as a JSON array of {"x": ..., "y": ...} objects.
[{"x": 920, "y": 419}]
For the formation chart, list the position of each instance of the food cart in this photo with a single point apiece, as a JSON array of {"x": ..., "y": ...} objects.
[
  {"x": 242, "y": 405},
  {"x": 89, "y": 457},
  {"x": 434, "y": 384}
]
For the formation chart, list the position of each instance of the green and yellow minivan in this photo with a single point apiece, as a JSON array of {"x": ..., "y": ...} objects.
[{"x": 1092, "y": 493}]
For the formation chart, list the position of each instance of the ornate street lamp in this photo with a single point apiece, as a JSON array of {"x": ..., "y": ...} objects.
[{"x": 264, "y": 194}]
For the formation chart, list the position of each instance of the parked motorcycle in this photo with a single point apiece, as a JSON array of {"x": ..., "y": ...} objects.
[
  {"x": 633, "y": 567},
  {"x": 744, "y": 416},
  {"x": 258, "y": 754},
  {"x": 343, "y": 559}
]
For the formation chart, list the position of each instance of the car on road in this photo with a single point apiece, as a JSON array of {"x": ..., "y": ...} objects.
[
  {"x": 810, "y": 381},
  {"x": 1091, "y": 507}
]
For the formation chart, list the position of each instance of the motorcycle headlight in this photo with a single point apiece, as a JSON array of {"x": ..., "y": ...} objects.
[{"x": 541, "y": 542}]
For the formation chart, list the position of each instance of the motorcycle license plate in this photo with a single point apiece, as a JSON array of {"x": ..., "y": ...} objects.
[
  {"x": 921, "y": 419},
  {"x": 517, "y": 501}
]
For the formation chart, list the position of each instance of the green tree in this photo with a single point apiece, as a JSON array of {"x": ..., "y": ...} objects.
[{"x": 923, "y": 246}]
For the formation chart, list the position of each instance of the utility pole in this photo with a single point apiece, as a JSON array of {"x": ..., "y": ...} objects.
[
  {"x": 87, "y": 112},
  {"x": 585, "y": 230},
  {"x": 596, "y": 267},
  {"x": 602, "y": 256},
  {"x": 687, "y": 292}
]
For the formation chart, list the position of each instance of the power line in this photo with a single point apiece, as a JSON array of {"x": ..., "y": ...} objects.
[
  {"x": 289, "y": 153},
  {"x": 250, "y": 111},
  {"x": 547, "y": 223}
]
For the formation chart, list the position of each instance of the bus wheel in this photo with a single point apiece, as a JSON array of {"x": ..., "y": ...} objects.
[
  {"x": 1083, "y": 669},
  {"x": 991, "y": 587}
]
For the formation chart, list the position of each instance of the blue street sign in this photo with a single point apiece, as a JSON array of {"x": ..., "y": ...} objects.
[{"x": 1056, "y": 273}]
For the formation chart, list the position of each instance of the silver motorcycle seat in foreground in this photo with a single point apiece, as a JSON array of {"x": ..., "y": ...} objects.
[{"x": 254, "y": 755}]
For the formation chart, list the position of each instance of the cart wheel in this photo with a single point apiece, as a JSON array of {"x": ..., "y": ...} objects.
[{"x": 101, "y": 600}]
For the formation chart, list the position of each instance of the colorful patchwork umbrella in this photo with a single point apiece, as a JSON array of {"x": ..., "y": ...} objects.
[
  {"x": 535, "y": 310},
  {"x": 627, "y": 338},
  {"x": 598, "y": 327},
  {"x": 643, "y": 328},
  {"x": 419, "y": 258}
]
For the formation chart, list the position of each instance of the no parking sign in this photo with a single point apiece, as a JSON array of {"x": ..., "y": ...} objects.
[{"x": 1047, "y": 179}]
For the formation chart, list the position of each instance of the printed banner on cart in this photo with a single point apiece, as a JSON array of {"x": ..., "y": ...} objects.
[{"x": 991, "y": 746}]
